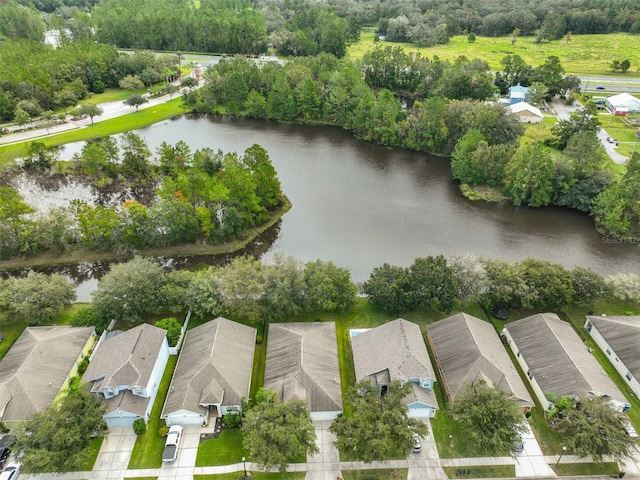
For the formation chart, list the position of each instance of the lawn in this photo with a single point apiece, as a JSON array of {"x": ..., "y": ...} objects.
[
  {"x": 131, "y": 121},
  {"x": 10, "y": 328},
  {"x": 376, "y": 474},
  {"x": 224, "y": 450},
  {"x": 147, "y": 451},
  {"x": 110, "y": 95},
  {"x": 255, "y": 476},
  {"x": 482, "y": 471},
  {"x": 94, "y": 449},
  {"x": 584, "y": 54},
  {"x": 573, "y": 469}
]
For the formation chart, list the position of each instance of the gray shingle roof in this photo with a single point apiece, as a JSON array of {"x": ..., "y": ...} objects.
[
  {"x": 559, "y": 360},
  {"x": 36, "y": 366},
  {"x": 127, "y": 358},
  {"x": 623, "y": 334},
  {"x": 468, "y": 349},
  {"x": 394, "y": 351},
  {"x": 214, "y": 366},
  {"x": 302, "y": 362}
]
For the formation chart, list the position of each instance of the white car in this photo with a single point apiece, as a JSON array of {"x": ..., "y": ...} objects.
[
  {"x": 626, "y": 424},
  {"x": 11, "y": 471},
  {"x": 416, "y": 446},
  {"x": 171, "y": 446}
]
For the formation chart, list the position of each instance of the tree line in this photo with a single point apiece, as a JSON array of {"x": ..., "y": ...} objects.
[{"x": 202, "y": 197}]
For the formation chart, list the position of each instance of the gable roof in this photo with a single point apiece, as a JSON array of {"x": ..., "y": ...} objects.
[
  {"x": 623, "y": 99},
  {"x": 37, "y": 365},
  {"x": 525, "y": 107},
  {"x": 126, "y": 358},
  {"x": 214, "y": 367},
  {"x": 394, "y": 351},
  {"x": 468, "y": 349},
  {"x": 622, "y": 333},
  {"x": 302, "y": 362},
  {"x": 558, "y": 359}
]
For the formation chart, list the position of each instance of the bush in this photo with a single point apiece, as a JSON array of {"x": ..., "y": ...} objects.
[
  {"x": 139, "y": 426},
  {"x": 173, "y": 328},
  {"x": 163, "y": 431},
  {"x": 82, "y": 366},
  {"x": 232, "y": 420},
  {"x": 87, "y": 317},
  {"x": 258, "y": 339}
]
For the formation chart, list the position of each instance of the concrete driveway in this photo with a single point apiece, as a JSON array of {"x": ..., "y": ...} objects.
[
  {"x": 531, "y": 462},
  {"x": 426, "y": 464},
  {"x": 324, "y": 465}
]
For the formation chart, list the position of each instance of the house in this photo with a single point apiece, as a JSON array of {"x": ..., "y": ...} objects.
[
  {"x": 619, "y": 338},
  {"x": 213, "y": 374},
  {"x": 518, "y": 93},
  {"x": 557, "y": 361},
  {"x": 36, "y": 370},
  {"x": 302, "y": 362},
  {"x": 396, "y": 351},
  {"x": 125, "y": 371},
  {"x": 466, "y": 350},
  {"x": 622, "y": 104},
  {"x": 526, "y": 113}
]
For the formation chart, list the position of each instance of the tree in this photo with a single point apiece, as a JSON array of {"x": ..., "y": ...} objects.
[
  {"x": 593, "y": 429},
  {"x": 538, "y": 92},
  {"x": 39, "y": 297},
  {"x": 204, "y": 297},
  {"x": 173, "y": 328},
  {"x": 378, "y": 424},
  {"x": 58, "y": 438},
  {"x": 588, "y": 286},
  {"x": 14, "y": 216},
  {"x": 129, "y": 291},
  {"x": 529, "y": 174},
  {"x": 20, "y": 117},
  {"x": 433, "y": 284},
  {"x": 240, "y": 286},
  {"x": 277, "y": 432},
  {"x": 388, "y": 289},
  {"x": 471, "y": 38},
  {"x": 135, "y": 100},
  {"x": 284, "y": 288},
  {"x": 189, "y": 82},
  {"x": 506, "y": 285},
  {"x": 471, "y": 275},
  {"x": 549, "y": 285},
  {"x": 582, "y": 120},
  {"x": 91, "y": 110},
  {"x": 328, "y": 287},
  {"x": 625, "y": 286},
  {"x": 131, "y": 83},
  {"x": 489, "y": 416}
]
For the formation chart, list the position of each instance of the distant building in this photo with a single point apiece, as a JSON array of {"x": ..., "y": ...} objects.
[
  {"x": 526, "y": 113},
  {"x": 518, "y": 93},
  {"x": 622, "y": 104}
]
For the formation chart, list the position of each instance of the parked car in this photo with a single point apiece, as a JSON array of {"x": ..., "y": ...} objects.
[
  {"x": 416, "y": 446},
  {"x": 171, "y": 445},
  {"x": 518, "y": 446},
  {"x": 599, "y": 102},
  {"x": 4, "y": 455},
  {"x": 610, "y": 140},
  {"x": 628, "y": 427},
  {"x": 11, "y": 471}
]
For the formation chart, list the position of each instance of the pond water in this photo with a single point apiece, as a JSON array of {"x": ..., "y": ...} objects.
[{"x": 361, "y": 205}]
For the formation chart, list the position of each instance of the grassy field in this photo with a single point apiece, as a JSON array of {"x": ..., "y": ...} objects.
[
  {"x": 110, "y": 95},
  {"x": 224, "y": 450},
  {"x": 255, "y": 476},
  {"x": 483, "y": 471},
  {"x": 584, "y": 54},
  {"x": 573, "y": 469},
  {"x": 131, "y": 121},
  {"x": 147, "y": 451},
  {"x": 376, "y": 474}
]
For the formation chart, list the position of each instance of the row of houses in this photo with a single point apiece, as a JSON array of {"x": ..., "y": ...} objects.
[{"x": 214, "y": 368}]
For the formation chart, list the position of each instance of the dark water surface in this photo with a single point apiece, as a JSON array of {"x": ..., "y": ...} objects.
[{"x": 361, "y": 205}]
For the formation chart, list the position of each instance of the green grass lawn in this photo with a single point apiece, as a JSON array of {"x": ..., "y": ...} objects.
[
  {"x": 131, "y": 121},
  {"x": 259, "y": 362},
  {"x": 224, "y": 450},
  {"x": 376, "y": 474},
  {"x": 254, "y": 476},
  {"x": 584, "y": 54},
  {"x": 483, "y": 471},
  {"x": 573, "y": 469},
  {"x": 10, "y": 328},
  {"x": 147, "y": 451},
  {"x": 93, "y": 450},
  {"x": 110, "y": 95}
]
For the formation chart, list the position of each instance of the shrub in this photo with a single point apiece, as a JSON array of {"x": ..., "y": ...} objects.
[
  {"x": 87, "y": 317},
  {"x": 139, "y": 426},
  {"x": 173, "y": 328},
  {"x": 163, "y": 431},
  {"x": 82, "y": 366},
  {"x": 258, "y": 339},
  {"x": 232, "y": 420}
]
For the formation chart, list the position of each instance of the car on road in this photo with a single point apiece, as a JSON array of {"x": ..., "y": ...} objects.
[
  {"x": 416, "y": 446},
  {"x": 600, "y": 87},
  {"x": 11, "y": 471}
]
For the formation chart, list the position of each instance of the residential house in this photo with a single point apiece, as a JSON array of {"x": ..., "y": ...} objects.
[
  {"x": 302, "y": 362},
  {"x": 518, "y": 93},
  {"x": 622, "y": 104},
  {"x": 125, "y": 371},
  {"x": 467, "y": 350},
  {"x": 557, "y": 361},
  {"x": 619, "y": 338},
  {"x": 396, "y": 351},
  {"x": 526, "y": 113},
  {"x": 36, "y": 370},
  {"x": 213, "y": 374}
]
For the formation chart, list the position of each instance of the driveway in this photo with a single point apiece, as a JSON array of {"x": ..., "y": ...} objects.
[
  {"x": 426, "y": 464},
  {"x": 531, "y": 462},
  {"x": 324, "y": 465}
]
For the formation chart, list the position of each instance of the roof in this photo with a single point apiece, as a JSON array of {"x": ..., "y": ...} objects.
[
  {"x": 468, "y": 349},
  {"x": 558, "y": 359},
  {"x": 525, "y": 107},
  {"x": 37, "y": 365},
  {"x": 214, "y": 367},
  {"x": 302, "y": 362},
  {"x": 518, "y": 91},
  {"x": 394, "y": 351},
  {"x": 126, "y": 358},
  {"x": 622, "y": 333},
  {"x": 127, "y": 402},
  {"x": 622, "y": 99}
]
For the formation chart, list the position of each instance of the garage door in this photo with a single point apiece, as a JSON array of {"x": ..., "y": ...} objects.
[{"x": 184, "y": 420}]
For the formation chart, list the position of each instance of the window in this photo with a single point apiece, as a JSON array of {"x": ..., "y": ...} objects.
[
  {"x": 608, "y": 351},
  {"x": 518, "y": 354},
  {"x": 628, "y": 376}
]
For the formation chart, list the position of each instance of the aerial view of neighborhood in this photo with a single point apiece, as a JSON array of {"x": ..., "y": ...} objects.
[{"x": 319, "y": 239}]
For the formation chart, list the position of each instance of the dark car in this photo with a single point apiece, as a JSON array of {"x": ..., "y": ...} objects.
[
  {"x": 600, "y": 87},
  {"x": 4, "y": 455}
]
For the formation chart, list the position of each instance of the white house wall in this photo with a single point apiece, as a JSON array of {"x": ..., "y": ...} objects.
[
  {"x": 542, "y": 398},
  {"x": 615, "y": 361},
  {"x": 324, "y": 416}
]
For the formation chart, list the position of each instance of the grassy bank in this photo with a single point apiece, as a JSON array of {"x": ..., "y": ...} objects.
[
  {"x": 583, "y": 55},
  {"x": 131, "y": 121}
]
